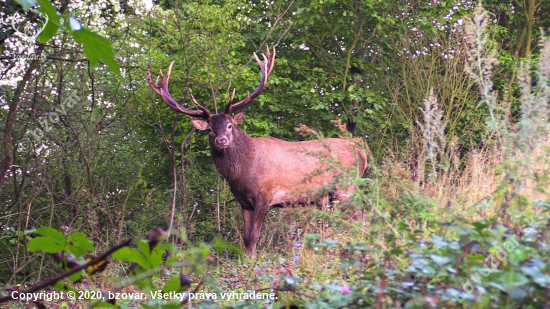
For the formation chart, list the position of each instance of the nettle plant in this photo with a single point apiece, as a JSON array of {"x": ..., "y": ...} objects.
[
  {"x": 154, "y": 274},
  {"x": 148, "y": 261},
  {"x": 152, "y": 271}
]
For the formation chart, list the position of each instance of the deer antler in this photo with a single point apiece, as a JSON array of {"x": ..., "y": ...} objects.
[
  {"x": 266, "y": 67},
  {"x": 163, "y": 91}
]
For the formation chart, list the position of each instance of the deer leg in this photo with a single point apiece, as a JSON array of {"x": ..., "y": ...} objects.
[
  {"x": 248, "y": 217},
  {"x": 257, "y": 220}
]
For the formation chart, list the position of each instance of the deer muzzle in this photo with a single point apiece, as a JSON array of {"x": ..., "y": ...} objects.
[{"x": 222, "y": 142}]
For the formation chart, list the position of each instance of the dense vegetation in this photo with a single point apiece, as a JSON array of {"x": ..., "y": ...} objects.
[{"x": 450, "y": 101}]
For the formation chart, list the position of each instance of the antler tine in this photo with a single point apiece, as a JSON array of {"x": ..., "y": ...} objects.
[
  {"x": 202, "y": 108},
  {"x": 170, "y": 69},
  {"x": 271, "y": 57},
  {"x": 232, "y": 96},
  {"x": 266, "y": 68},
  {"x": 155, "y": 86},
  {"x": 162, "y": 90},
  {"x": 257, "y": 59},
  {"x": 229, "y": 104}
]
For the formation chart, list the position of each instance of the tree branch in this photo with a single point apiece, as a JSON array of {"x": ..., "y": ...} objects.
[{"x": 52, "y": 281}]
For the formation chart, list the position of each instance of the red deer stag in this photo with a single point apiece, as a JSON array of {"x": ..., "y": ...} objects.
[{"x": 265, "y": 171}]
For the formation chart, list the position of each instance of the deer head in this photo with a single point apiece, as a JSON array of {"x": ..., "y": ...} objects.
[{"x": 221, "y": 127}]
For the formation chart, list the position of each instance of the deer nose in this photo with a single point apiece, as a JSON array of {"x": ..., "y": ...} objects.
[{"x": 222, "y": 141}]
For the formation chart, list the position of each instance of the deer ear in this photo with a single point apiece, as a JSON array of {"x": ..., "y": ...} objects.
[
  {"x": 200, "y": 124},
  {"x": 238, "y": 118}
]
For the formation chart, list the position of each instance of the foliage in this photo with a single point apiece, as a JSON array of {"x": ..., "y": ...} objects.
[{"x": 95, "y": 46}]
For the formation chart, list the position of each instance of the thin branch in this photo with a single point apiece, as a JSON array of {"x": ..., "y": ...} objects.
[
  {"x": 52, "y": 281},
  {"x": 260, "y": 48},
  {"x": 14, "y": 106},
  {"x": 183, "y": 189}
]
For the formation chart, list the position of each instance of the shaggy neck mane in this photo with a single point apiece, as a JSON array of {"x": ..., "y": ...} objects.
[{"x": 234, "y": 161}]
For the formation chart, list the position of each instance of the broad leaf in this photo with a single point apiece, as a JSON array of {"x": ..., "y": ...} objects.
[
  {"x": 52, "y": 26},
  {"x": 97, "y": 47},
  {"x": 156, "y": 256},
  {"x": 131, "y": 255},
  {"x": 26, "y": 4},
  {"x": 53, "y": 233},
  {"x": 79, "y": 244},
  {"x": 220, "y": 244},
  {"x": 172, "y": 285},
  {"x": 46, "y": 244}
]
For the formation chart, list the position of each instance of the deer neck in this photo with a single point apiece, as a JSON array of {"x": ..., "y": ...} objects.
[{"x": 235, "y": 161}]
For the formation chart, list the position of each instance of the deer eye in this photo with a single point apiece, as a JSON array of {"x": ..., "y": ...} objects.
[
  {"x": 230, "y": 126},
  {"x": 210, "y": 130}
]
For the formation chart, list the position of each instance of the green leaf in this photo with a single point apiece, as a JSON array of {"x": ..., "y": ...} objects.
[
  {"x": 221, "y": 244},
  {"x": 79, "y": 244},
  {"x": 130, "y": 255},
  {"x": 402, "y": 226},
  {"x": 97, "y": 47},
  {"x": 144, "y": 248},
  {"x": 311, "y": 237},
  {"x": 61, "y": 286},
  {"x": 103, "y": 304},
  {"x": 171, "y": 260},
  {"x": 440, "y": 260},
  {"x": 532, "y": 271},
  {"x": 51, "y": 28},
  {"x": 479, "y": 226},
  {"x": 26, "y": 4},
  {"x": 520, "y": 254},
  {"x": 512, "y": 279},
  {"x": 439, "y": 242},
  {"x": 396, "y": 251},
  {"x": 498, "y": 286},
  {"x": 54, "y": 234},
  {"x": 46, "y": 244},
  {"x": 156, "y": 256},
  {"x": 76, "y": 276},
  {"x": 172, "y": 285}
]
